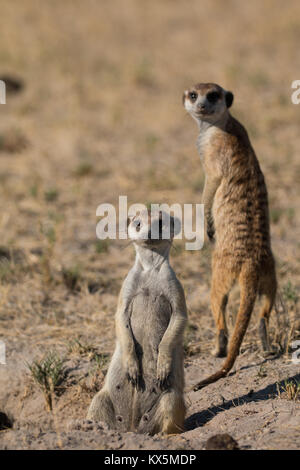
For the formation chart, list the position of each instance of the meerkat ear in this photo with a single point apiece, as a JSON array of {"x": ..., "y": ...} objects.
[
  {"x": 183, "y": 97},
  {"x": 228, "y": 98}
]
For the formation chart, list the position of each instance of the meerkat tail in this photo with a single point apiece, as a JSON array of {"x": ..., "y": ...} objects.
[{"x": 248, "y": 285}]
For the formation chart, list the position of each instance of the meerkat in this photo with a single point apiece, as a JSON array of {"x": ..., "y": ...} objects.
[
  {"x": 143, "y": 388},
  {"x": 237, "y": 219}
]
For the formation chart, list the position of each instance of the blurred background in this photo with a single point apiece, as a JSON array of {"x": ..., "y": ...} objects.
[{"x": 94, "y": 111}]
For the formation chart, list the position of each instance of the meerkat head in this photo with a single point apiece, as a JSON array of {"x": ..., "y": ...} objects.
[
  {"x": 207, "y": 102},
  {"x": 151, "y": 229}
]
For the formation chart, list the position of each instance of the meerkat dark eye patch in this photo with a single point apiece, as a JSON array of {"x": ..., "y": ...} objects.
[
  {"x": 212, "y": 97},
  {"x": 193, "y": 95},
  {"x": 229, "y": 99}
]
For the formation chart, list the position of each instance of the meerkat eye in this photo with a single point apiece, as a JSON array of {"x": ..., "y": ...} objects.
[
  {"x": 213, "y": 96},
  {"x": 193, "y": 96}
]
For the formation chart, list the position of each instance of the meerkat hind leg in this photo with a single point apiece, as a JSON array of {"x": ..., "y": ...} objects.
[
  {"x": 221, "y": 285},
  {"x": 267, "y": 290},
  {"x": 171, "y": 412},
  {"x": 167, "y": 416},
  {"x": 102, "y": 409}
]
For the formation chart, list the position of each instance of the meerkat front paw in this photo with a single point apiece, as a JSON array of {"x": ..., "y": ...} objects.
[
  {"x": 133, "y": 370},
  {"x": 164, "y": 365}
]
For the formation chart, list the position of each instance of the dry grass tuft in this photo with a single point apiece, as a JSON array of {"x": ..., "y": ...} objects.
[
  {"x": 290, "y": 390},
  {"x": 48, "y": 373}
]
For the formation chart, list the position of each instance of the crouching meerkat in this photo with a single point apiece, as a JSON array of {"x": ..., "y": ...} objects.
[
  {"x": 143, "y": 388},
  {"x": 237, "y": 218}
]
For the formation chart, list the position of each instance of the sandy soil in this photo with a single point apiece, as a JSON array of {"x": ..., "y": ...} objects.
[
  {"x": 250, "y": 405},
  {"x": 100, "y": 115}
]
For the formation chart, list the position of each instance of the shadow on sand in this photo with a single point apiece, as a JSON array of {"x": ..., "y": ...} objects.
[{"x": 202, "y": 417}]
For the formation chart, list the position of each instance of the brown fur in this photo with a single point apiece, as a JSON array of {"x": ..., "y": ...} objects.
[{"x": 236, "y": 211}]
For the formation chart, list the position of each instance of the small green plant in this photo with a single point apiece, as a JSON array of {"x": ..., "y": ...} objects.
[
  {"x": 33, "y": 190},
  {"x": 83, "y": 169},
  {"x": 143, "y": 73},
  {"x": 77, "y": 347},
  {"x": 283, "y": 99},
  {"x": 7, "y": 270},
  {"x": 91, "y": 383},
  {"x": 290, "y": 390},
  {"x": 290, "y": 212},
  {"x": 102, "y": 246},
  {"x": 71, "y": 276},
  {"x": 101, "y": 360},
  {"x": 56, "y": 217},
  {"x": 275, "y": 215},
  {"x": 48, "y": 373},
  {"x": 198, "y": 184},
  {"x": 49, "y": 234},
  {"x": 12, "y": 264},
  {"x": 178, "y": 248},
  {"x": 151, "y": 141},
  {"x": 259, "y": 79},
  {"x": 51, "y": 194},
  {"x": 290, "y": 293},
  {"x": 262, "y": 372},
  {"x": 234, "y": 72},
  {"x": 97, "y": 371}
]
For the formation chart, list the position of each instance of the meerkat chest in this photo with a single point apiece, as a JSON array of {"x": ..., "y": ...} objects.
[
  {"x": 151, "y": 313},
  {"x": 204, "y": 142},
  {"x": 151, "y": 303}
]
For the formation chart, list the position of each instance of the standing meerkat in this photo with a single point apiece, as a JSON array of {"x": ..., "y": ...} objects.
[
  {"x": 237, "y": 219},
  {"x": 143, "y": 388}
]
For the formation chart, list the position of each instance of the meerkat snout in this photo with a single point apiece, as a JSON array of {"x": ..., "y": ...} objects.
[
  {"x": 153, "y": 227},
  {"x": 207, "y": 101}
]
